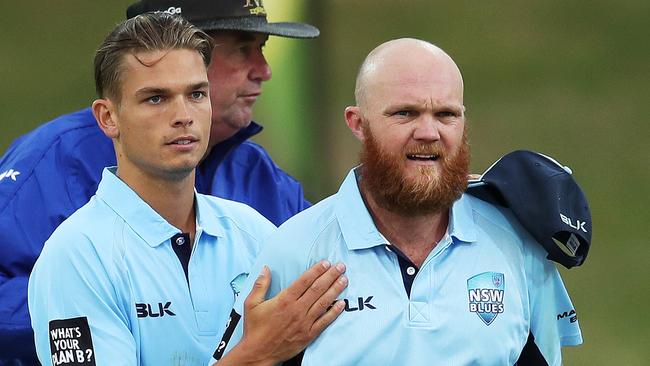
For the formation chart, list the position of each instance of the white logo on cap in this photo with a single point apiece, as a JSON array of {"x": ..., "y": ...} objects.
[
  {"x": 579, "y": 225},
  {"x": 173, "y": 10}
]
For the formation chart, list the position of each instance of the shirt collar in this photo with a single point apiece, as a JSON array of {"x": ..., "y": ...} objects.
[
  {"x": 359, "y": 230},
  {"x": 357, "y": 226},
  {"x": 239, "y": 137},
  {"x": 143, "y": 219},
  {"x": 206, "y": 171},
  {"x": 461, "y": 221},
  {"x": 208, "y": 222}
]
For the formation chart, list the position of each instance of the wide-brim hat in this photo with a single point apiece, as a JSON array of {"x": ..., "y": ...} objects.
[
  {"x": 236, "y": 15},
  {"x": 546, "y": 200}
]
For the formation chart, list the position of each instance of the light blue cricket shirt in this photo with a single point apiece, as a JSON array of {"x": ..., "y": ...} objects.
[
  {"x": 479, "y": 294},
  {"x": 108, "y": 289}
]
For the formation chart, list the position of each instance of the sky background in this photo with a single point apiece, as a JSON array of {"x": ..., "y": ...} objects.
[{"x": 567, "y": 78}]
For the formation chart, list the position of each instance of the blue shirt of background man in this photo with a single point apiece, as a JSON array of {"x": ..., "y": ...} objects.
[
  {"x": 53, "y": 170},
  {"x": 112, "y": 262},
  {"x": 444, "y": 320}
]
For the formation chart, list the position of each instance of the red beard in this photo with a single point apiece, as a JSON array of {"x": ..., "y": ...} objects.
[{"x": 382, "y": 175}]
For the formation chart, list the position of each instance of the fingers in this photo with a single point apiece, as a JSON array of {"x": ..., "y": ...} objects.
[
  {"x": 325, "y": 309},
  {"x": 292, "y": 319},
  {"x": 327, "y": 300},
  {"x": 305, "y": 281},
  {"x": 260, "y": 288},
  {"x": 326, "y": 319},
  {"x": 324, "y": 286}
]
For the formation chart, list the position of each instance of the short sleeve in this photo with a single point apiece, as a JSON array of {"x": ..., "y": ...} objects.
[
  {"x": 553, "y": 318},
  {"x": 76, "y": 314}
]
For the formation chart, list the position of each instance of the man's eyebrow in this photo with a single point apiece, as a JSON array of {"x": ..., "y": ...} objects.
[
  {"x": 452, "y": 107},
  {"x": 151, "y": 91},
  {"x": 419, "y": 105},
  {"x": 404, "y": 105},
  {"x": 201, "y": 85},
  {"x": 156, "y": 90}
]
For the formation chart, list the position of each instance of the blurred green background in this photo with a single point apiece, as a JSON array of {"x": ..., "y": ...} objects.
[{"x": 567, "y": 78}]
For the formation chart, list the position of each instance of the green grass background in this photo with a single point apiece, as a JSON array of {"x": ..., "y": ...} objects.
[{"x": 567, "y": 78}]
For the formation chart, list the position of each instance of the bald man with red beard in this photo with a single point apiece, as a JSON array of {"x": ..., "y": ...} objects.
[
  {"x": 435, "y": 276},
  {"x": 386, "y": 181}
]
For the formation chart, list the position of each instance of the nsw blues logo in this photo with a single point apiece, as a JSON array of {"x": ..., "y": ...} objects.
[{"x": 485, "y": 292}]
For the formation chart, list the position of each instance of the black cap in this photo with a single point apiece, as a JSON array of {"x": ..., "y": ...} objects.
[
  {"x": 546, "y": 200},
  {"x": 240, "y": 15}
]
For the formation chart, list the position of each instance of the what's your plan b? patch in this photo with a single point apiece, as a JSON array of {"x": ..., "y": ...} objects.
[{"x": 71, "y": 342}]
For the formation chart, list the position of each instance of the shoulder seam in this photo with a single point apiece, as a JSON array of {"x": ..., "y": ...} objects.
[
  {"x": 312, "y": 245},
  {"x": 238, "y": 205}
]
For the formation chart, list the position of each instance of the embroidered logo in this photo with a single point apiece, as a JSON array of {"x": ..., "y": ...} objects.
[
  {"x": 238, "y": 283},
  {"x": 174, "y": 10},
  {"x": 145, "y": 310},
  {"x": 361, "y": 303},
  {"x": 485, "y": 291},
  {"x": 9, "y": 174},
  {"x": 255, "y": 7},
  {"x": 578, "y": 225}
]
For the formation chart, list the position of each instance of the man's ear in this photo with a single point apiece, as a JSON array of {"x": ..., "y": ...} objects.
[
  {"x": 355, "y": 122},
  {"x": 105, "y": 113}
]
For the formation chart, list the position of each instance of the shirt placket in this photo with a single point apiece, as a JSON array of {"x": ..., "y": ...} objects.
[{"x": 195, "y": 285}]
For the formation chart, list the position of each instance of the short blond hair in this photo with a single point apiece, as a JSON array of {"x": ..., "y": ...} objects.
[{"x": 157, "y": 31}]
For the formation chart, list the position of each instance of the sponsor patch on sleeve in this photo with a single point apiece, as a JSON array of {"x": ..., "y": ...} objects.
[
  {"x": 570, "y": 315},
  {"x": 230, "y": 328},
  {"x": 71, "y": 342}
]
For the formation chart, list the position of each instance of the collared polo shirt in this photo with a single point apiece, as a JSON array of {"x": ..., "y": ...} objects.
[
  {"x": 53, "y": 170},
  {"x": 109, "y": 289},
  {"x": 481, "y": 292}
]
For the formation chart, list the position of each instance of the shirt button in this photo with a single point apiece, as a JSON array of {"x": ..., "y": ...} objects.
[
  {"x": 180, "y": 240},
  {"x": 410, "y": 271}
]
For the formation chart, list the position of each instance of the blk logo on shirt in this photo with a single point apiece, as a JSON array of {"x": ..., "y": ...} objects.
[
  {"x": 158, "y": 310},
  {"x": 359, "y": 304},
  {"x": 486, "y": 291}
]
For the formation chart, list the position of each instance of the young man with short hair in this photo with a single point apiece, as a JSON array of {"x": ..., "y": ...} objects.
[
  {"x": 57, "y": 167},
  {"x": 148, "y": 270}
]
